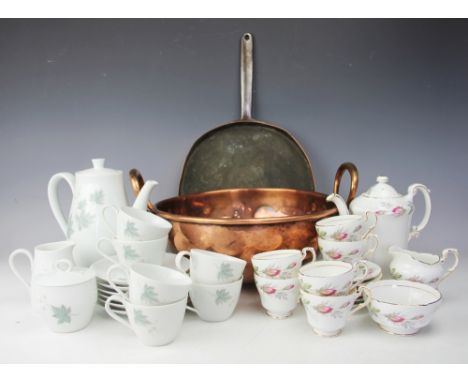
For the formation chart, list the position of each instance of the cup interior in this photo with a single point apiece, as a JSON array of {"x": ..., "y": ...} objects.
[
  {"x": 215, "y": 255},
  {"x": 160, "y": 274},
  {"x": 339, "y": 220},
  {"x": 146, "y": 217},
  {"x": 326, "y": 269},
  {"x": 55, "y": 246},
  {"x": 404, "y": 293},
  {"x": 62, "y": 279},
  {"x": 218, "y": 286},
  {"x": 278, "y": 254}
]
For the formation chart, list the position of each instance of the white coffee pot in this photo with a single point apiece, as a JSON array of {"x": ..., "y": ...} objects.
[
  {"x": 92, "y": 190},
  {"x": 394, "y": 212}
]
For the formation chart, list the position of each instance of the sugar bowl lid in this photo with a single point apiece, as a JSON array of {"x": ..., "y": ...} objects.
[{"x": 65, "y": 274}]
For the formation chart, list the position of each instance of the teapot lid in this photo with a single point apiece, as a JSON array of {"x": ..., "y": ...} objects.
[
  {"x": 382, "y": 189},
  {"x": 99, "y": 169}
]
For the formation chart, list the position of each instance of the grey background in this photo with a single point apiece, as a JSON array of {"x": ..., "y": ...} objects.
[{"x": 388, "y": 95}]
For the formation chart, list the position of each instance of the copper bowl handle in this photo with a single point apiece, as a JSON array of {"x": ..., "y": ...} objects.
[
  {"x": 353, "y": 173},
  {"x": 137, "y": 181}
]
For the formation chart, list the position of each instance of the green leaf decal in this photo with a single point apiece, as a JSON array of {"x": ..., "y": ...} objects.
[
  {"x": 131, "y": 230},
  {"x": 97, "y": 197},
  {"x": 222, "y": 296},
  {"x": 140, "y": 318},
  {"x": 149, "y": 295},
  {"x": 82, "y": 204},
  {"x": 130, "y": 253},
  {"x": 61, "y": 313},
  {"x": 225, "y": 271},
  {"x": 83, "y": 220}
]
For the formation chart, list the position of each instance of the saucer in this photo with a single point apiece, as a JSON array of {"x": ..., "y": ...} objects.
[
  {"x": 101, "y": 267},
  {"x": 374, "y": 271}
]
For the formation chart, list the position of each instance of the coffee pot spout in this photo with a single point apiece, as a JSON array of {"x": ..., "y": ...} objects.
[
  {"x": 339, "y": 203},
  {"x": 144, "y": 195}
]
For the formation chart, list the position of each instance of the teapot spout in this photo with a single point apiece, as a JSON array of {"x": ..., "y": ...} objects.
[
  {"x": 142, "y": 199},
  {"x": 339, "y": 203}
]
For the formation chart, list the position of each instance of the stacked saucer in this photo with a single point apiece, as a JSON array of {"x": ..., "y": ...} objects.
[
  {"x": 105, "y": 290},
  {"x": 375, "y": 274}
]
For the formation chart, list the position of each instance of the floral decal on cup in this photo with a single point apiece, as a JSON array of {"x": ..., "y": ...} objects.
[
  {"x": 339, "y": 235},
  {"x": 131, "y": 230},
  {"x": 408, "y": 323},
  {"x": 281, "y": 294},
  {"x": 129, "y": 253},
  {"x": 328, "y": 309},
  {"x": 149, "y": 295},
  {"x": 334, "y": 254},
  {"x": 222, "y": 296},
  {"x": 142, "y": 320},
  {"x": 62, "y": 314},
  {"x": 275, "y": 272},
  {"x": 225, "y": 271}
]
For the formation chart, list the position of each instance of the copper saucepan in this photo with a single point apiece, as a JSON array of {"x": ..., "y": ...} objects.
[{"x": 224, "y": 220}]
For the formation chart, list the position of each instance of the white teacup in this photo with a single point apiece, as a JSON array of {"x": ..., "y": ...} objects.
[
  {"x": 279, "y": 297},
  {"x": 129, "y": 252},
  {"x": 150, "y": 284},
  {"x": 153, "y": 325},
  {"x": 332, "y": 278},
  {"x": 328, "y": 315},
  {"x": 346, "y": 227},
  {"x": 348, "y": 250},
  {"x": 66, "y": 297},
  {"x": 215, "y": 302},
  {"x": 401, "y": 307},
  {"x": 280, "y": 264},
  {"x": 135, "y": 224},
  {"x": 207, "y": 267}
]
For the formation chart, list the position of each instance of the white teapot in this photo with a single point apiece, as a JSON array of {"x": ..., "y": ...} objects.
[
  {"x": 394, "y": 212},
  {"x": 92, "y": 190}
]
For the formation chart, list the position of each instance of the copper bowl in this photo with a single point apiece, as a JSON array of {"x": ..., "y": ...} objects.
[{"x": 223, "y": 220}]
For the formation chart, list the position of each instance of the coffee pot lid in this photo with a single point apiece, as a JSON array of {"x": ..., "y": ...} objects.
[
  {"x": 382, "y": 189},
  {"x": 99, "y": 169}
]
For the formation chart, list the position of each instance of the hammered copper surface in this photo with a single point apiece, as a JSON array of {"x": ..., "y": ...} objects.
[{"x": 223, "y": 220}]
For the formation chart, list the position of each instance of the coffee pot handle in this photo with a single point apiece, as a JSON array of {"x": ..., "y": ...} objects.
[
  {"x": 11, "y": 262},
  {"x": 52, "y": 191},
  {"x": 412, "y": 191}
]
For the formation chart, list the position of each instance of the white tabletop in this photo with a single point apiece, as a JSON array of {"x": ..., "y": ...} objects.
[{"x": 250, "y": 336}]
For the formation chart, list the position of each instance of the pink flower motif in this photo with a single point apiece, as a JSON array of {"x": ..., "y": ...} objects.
[
  {"x": 380, "y": 212},
  {"x": 272, "y": 272},
  {"x": 292, "y": 265},
  {"x": 340, "y": 236},
  {"x": 268, "y": 289},
  {"x": 419, "y": 317},
  {"x": 395, "y": 318},
  {"x": 354, "y": 252},
  {"x": 324, "y": 309},
  {"x": 397, "y": 211},
  {"x": 327, "y": 292},
  {"x": 288, "y": 287},
  {"x": 357, "y": 228},
  {"x": 335, "y": 255}
]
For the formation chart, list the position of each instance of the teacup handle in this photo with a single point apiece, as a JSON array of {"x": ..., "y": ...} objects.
[
  {"x": 192, "y": 309},
  {"x": 311, "y": 250},
  {"x": 445, "y": 253},
  {"x": 362, "y": 304},
  {"x": 102, "y": 253},
  {"x": 362, "y": 265},
  {"x": 178, "y": 260},
  {"x": 371, "y": 251},
  {"x": 372, "y": 225},
  {"x": 109, "y": 273},
  {"x": 117, "y": 298},
  {"x": 11, "y": 262},
  {"x": 110, "y": 227}
]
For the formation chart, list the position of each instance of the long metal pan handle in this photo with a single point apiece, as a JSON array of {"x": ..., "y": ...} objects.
[
  {"x": 246, "y": 73},
  {"x": 353, "y": 173},
  {"x": 137, "y": 181}
]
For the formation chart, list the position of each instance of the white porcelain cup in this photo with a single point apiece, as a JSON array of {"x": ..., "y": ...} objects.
[
  {"x": 279, "y": 297},
  {"x": 150, "y": 284},
  {"x": 66, "y": 297},
  {"x": 327, "y": 315},
  {"x": 215, "y": 302},
  {"x": 153, "y": 325},
  {"x": 348, "y": 250},
  {"x": 129, "y": 252},
  {"x": 207, "y": 267},
  {"x": 280, "y": 264},
  {"x": 135, "y": 224},
  {"x": 346, "y": 227},
  {"x": 43, "y": 261},
  {"x": 332, "y": 278}
]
